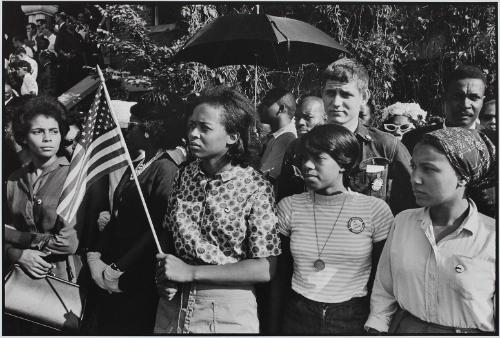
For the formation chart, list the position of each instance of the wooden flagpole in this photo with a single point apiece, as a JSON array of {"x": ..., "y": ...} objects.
[{"x": 129, "y": 160}]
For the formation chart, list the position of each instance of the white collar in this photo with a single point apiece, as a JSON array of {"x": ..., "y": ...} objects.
[{"x": 289, "y": 128}]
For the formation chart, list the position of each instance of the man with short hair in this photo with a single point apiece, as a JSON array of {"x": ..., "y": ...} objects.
[
  {"x": 18, "y": 42},
  {"x": 277, "y": 109},
  {"x": 488, "y": 116},
  {"x": 383, "y": 158},
  {"x": 464, "y": 89}
]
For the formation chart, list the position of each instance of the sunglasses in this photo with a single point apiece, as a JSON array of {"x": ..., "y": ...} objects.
[{"x": 402, "y": 128}]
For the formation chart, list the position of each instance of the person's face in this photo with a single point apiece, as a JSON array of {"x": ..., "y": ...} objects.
[
  {"x": 208, "y": 138},
  {"x": 269, "y": 114},
  {"x": 309, "y": 115},
  {"x": 81, "y": 18},
  {"x": 464, "y": 100},
  {"x": 489, "y": 119},
  {"x": 29, "y": 30},
  {"x": 70, "y": 140},
  {"x": 20, "y": 72},
  {"x": 44, "y": 138},
  {"x": 17, "y": 43},
  {"x": 342, "y": 101},
  {"x": 365, "y": 113},
  {"x": 398, "y": 125},
  {"x": 7, "y": 92},
  {"x": 136, "y": 137},
  {"x": 433, "y": 179},
  {"x": 321, "y": 172}
]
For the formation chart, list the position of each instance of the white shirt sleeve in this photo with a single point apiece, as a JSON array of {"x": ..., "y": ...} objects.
[
  {"x": 284, "y": 212},
  {"x": 383, "y": 304}
]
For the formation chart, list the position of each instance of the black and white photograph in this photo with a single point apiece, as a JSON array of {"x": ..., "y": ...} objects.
[{"x": 250, "y": 168}]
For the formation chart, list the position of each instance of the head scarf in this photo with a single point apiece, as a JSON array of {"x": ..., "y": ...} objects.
[{"x": 471, "y": 154}]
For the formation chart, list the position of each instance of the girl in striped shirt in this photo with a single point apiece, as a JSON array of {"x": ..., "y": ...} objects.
[{"x": 333, "y": 235}]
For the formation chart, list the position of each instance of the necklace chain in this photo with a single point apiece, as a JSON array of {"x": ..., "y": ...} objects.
[
  {"x": 142, "y": 166},
  {"x": 316, "y": 228}
]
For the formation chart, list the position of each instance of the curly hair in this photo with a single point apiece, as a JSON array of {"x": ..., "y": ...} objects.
[
  {"x": 163, "y": 116},
  {"x": 35, "y": 106},
  {"x": 238, "y": 117}
]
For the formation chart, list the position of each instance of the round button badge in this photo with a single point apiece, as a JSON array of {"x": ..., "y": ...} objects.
[{"x": 459, "y": 268}]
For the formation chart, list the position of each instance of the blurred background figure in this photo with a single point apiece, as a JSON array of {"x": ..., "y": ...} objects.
[
  {"x": 310, "y": 113},
  {"x": 400, "y": 118},
  {"x": 365, "y": 113},
  {"x": 487, "y": 116}
]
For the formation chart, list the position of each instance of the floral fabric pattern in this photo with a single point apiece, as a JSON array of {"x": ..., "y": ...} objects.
[{"x": 225, "y": 219}]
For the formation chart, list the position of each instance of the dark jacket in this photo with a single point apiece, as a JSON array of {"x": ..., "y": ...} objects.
[{"x": 377, "y": 148}]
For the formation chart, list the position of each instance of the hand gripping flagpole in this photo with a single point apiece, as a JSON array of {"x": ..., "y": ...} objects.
[{"x": 129, "y": 160}]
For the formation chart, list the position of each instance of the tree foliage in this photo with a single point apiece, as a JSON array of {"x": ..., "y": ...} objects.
[{"x": 406, "y": 48}]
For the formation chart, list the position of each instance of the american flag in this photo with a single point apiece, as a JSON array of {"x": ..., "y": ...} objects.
[{"x": 98, "y": 152}]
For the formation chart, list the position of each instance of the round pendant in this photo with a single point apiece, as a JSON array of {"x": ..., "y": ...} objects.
[
  {"x": 377, "y": 184},
  {"x": 319, "y": 265}
]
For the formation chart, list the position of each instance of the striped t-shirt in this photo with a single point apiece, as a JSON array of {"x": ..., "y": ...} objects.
[{"x": 364, "y": 220}]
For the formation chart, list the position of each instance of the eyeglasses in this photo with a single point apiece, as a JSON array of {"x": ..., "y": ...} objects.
[{"x": 402, "y": 128}]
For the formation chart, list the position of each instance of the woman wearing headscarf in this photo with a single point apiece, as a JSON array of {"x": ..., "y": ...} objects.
[
  {"x": 436, "y": 274},
  {"x": 122, "y": 264}
]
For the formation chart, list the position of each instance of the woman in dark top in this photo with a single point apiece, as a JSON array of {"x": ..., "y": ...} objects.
[{"x": 123, "y": 263}]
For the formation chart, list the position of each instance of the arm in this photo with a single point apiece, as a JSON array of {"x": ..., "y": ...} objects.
[
  {"x": 289, "y": 181},
  {"x": 281, "y": 286},
  {"x": 248, "y": 271},
  {"x": 383, "y": 304}
]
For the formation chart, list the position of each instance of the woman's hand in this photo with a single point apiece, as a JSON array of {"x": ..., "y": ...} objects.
[
  {"x": 96, "y": 266},
  {"x": 173, "y": 269},
  {"x": 33, "y": 263},
  {"x": 103, "y": 220}
]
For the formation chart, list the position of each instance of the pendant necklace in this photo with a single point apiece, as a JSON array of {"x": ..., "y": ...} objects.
[
  {"x": 142, "y": 166},
  {"x": 319, "y": 264}
]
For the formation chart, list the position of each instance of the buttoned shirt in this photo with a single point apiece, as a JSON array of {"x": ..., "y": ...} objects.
[
  {"x": 224, "y": 219},
  {"x": 451, "y": 283}
]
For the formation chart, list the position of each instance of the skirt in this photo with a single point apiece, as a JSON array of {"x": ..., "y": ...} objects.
[{"x": 203, "y": 308}]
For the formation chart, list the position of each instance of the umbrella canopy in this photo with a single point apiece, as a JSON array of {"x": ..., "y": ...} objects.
[{"x": 259, "y": 39}]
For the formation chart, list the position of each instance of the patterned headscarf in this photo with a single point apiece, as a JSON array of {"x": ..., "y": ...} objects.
[{"x": 471, "y": 154}]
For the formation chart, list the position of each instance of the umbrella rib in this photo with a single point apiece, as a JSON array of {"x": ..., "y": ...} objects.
[{"x": 286, "y": 37}]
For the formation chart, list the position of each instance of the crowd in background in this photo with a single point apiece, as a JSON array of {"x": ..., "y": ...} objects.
[{"x": 299, "y": 217}]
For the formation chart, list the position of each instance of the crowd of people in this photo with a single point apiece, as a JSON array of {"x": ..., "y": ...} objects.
[
  {"x": 50, "y": 57},
  {"x": 318, "y": 223}
]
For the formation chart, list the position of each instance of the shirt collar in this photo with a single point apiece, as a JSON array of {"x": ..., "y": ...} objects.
[
  {"x": 289, "y": 128},
  {"x": 470, "y": 223},
  {"x": 225, "y": 176},
  {"x": 362, "y": 132}
]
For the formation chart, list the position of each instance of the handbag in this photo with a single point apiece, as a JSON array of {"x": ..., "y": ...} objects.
[{"x": 48, "y": 301}]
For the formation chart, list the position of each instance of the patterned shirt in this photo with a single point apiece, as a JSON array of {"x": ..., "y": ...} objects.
[
  {"x": 347, "y": 252},
  {"x": 222, "y": 220}
]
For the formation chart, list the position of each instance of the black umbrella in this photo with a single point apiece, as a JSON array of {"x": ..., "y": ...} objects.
[{"x": 259, "y": 39}]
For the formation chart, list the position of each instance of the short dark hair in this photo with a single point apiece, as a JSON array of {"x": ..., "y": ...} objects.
[
  {"x": 164, "y": 117},
  {"x": 335, "y": 140},
  {"x": 346, "y": 70},
  {"x": 238, "y": 117},
  {"x": 18, "y": 64},
  {"x": 19, "y": 51},
  {"x": 42, "y": 45},
  {"x": 19, "y": 38},
  {"x": 464, "y": 72},
  {"x": 33, "y": 26},
  {"x": 280, "y": 96},
  {"x": 39, "y": 105},
  {"x": 41, "y": 21}
]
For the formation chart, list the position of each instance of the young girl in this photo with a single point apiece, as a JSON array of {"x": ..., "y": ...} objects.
[
  {"x": 221, "y": 215},
  {"x": 437, "y": 271},
  {"x": 333, "y": 235}
]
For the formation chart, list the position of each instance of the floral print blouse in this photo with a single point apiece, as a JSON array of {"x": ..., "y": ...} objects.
[{"x": 224, "y": 219}]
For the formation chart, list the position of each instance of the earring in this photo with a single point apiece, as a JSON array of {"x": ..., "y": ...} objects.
[{"x": 146, "y": 135}]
